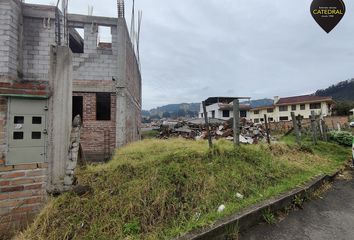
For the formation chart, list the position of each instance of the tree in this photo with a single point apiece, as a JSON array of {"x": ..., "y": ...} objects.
[{"x": 343, "y": 108}]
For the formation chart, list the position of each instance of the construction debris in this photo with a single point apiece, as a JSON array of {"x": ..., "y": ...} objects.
[{"x": 219, "y": 129}]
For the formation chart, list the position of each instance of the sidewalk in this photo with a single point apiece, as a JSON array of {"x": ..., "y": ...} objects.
[{"x": 331, "y": 217}]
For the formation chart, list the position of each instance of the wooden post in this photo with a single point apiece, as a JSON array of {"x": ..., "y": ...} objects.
[
  {"x": 313, "y": 127},
  {"x": 236, "y": 110},
  {"x": 267, "y": 128},
  {"x": 296, "y": 128},
  {"x": 299, "y": 124},
  {"x": 324, "y": 126},
  {"x": 207, "y": 125}
]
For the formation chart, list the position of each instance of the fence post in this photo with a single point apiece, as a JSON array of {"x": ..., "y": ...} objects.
[
  {"x": 236, "y": 110},
  {"x": 296, "y": 128},
  {"x": 207, "y": 125},
  {"x": 325, "y": 130},
  {"x": 313, "y": 127},
  {"x": 267, "y": 128}
]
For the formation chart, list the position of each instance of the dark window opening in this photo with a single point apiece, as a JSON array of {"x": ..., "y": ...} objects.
[
  {"x": 284, "y": 118},
  {"x": 302, "y": 107},
  {"x": 103, "y": 106},
  {"x": 19, "y": 120},
  {"x": 270, "y": 110},
  {"x": 283, "y": 108},
  {"x": 293, "y": 107},
  {"x": 76, "y": 40},
  {"x": 270, "y": 119},
  {"x": 243, "y": 113},
  {"x": 36, "y": 120},
  {"x": 36, "y": 135},
  {"x": 212, "y": 114},
  {"x": 256, "y": 112},
  {"x": 315, "y": 106},
  {"x": 18, "y": 135},
  {"x": 77, "y": 106},
  {"x": 226, "y": 113}
]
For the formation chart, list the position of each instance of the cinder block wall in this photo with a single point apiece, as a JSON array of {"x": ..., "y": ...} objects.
[
  {"x": 95, "y": 63},
  {"x": 133, "y": 98},
  {"x": 38, "y": 36},
  {"x": 9, "y": 34}
]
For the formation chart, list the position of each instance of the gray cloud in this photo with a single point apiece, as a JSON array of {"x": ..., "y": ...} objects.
[{"x": 193, "y": 49}]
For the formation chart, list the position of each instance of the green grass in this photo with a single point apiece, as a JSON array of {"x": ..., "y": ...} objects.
[
  {"x": 150, "y": 134},
  {"x": 159, "y": 189}
]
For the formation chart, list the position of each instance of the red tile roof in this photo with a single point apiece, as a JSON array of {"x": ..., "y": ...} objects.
[{"x": 303, "y": 99}]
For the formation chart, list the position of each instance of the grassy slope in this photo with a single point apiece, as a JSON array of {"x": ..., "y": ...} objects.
[{"x": 158, "y": 189}]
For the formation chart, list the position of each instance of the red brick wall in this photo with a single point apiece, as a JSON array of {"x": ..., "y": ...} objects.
[
  {"x": 330, "y": 121},
  {"x": 22, "y": 194},
  {"x": 93, "y": 141}
]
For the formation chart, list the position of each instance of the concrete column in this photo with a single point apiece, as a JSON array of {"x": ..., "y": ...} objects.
[
  {"x": 122, "y": 35},
  {"x": 60, "y": 114}
]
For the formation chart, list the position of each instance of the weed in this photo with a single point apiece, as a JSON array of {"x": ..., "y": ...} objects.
[
  {"x": 320, "y": 191},
  {"x": 232, "y": 232},
  {"x": 298, "y": 201},
  {"x": 132, "y": 228},
  {"x": 269, "y": 217}
]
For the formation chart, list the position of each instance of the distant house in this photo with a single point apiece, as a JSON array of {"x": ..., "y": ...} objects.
[
  {"x": 301, "y": 105},
  {"x": 352, "y": 112},
  {"x": 222, "y": 108}
]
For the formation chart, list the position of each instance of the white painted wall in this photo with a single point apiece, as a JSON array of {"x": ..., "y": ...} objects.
[
  {"x": 277, "y": 114},
  {"x": 218, "y": 113}
]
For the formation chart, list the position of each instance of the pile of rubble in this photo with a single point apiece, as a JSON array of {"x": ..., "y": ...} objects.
[{"x": 250, "y": 133}]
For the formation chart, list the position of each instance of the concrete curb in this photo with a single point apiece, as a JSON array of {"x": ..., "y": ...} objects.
[{"x": 254, "y": 214}]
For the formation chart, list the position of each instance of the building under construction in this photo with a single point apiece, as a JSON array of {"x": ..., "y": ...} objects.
[{"x": 53, "y": 66}]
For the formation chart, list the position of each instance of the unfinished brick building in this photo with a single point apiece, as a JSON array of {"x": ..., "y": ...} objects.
[{"x": 44, "y": 84}]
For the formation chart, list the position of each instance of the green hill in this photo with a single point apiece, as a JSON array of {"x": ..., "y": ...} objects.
[{"x": 343, "y": 91}]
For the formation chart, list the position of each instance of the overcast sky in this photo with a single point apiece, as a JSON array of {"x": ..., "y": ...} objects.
[{"x": 193, "y": 49}]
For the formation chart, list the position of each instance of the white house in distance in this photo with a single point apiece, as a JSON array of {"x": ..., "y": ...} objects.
[
  {"x": 222, "y": 108},
  {"x": 300, "y": 105},
  {"x": 280, "y": 110},
  {"x": 352, "y": 111}
]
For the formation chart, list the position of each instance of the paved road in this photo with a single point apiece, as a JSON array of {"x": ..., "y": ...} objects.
[{"x": 329, "y": 218}]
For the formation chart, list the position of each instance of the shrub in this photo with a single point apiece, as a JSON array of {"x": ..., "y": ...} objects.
[{"x": 343, "y": 138}]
